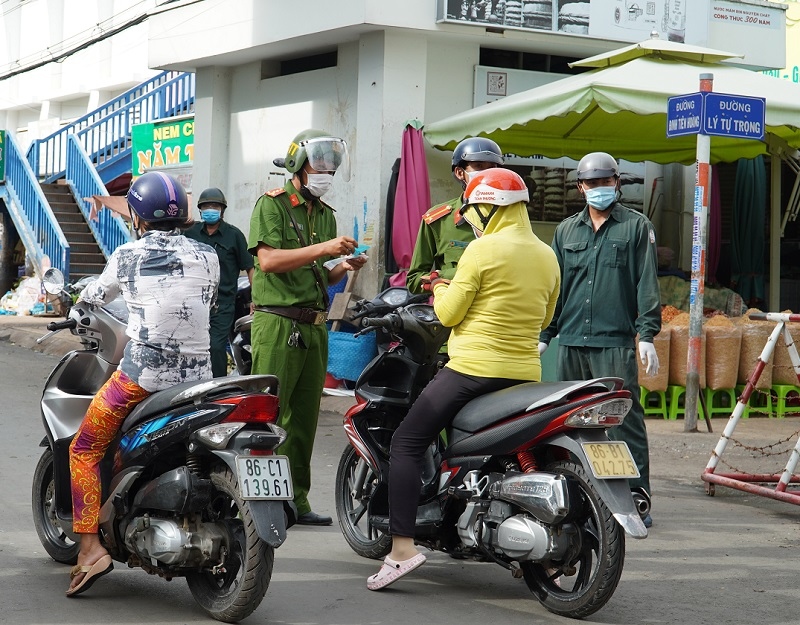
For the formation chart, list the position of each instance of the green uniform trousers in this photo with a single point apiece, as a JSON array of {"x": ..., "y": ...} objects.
[
  {"x": 221, "y": 324},
  {"x": 301, "y": 376},
  {"x": 585, "y": 363}
]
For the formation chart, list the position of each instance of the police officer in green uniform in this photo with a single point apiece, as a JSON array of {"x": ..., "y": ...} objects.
[
  {"x": 292, "y": 233},
  {"x": 443, "y": 233},
  {"x": 231, "y": 248},
  {"x": 609, "y": 293}
]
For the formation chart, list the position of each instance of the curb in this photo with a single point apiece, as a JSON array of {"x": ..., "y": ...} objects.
[{"x": 24, "y": 332}]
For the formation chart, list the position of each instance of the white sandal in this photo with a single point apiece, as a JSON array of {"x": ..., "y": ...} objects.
[{"x": 392, "y": 570}]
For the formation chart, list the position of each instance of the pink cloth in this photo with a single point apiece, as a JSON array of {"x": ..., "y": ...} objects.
[{"x": 411, "y": 200}]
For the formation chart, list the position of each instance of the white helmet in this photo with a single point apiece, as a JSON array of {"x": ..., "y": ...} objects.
[
  {"x": 497, "y": 186},
  {"x": 493, "y": 188}
]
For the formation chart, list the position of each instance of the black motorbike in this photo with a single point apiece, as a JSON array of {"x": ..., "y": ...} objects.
[
  {"x": 192, "y": 486},
  {"x": 239, "y": 339},
  {"x": 525, "y": 478}
]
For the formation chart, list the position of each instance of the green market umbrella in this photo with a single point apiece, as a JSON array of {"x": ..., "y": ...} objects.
[{"x": 621, "y": 108}]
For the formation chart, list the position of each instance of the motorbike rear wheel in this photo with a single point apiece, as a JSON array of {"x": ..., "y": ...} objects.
[
  {"x": 237, "y": 589},
  {"x": 597, "y": 564},
  {"x": 55, "y": 541},
  {"x": 354, "y": 476}
]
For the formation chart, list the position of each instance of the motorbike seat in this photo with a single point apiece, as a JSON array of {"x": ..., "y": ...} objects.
[
  {"x": 492, "y": 407},
  {"x": 157, "y": 402},
  {"x": 161, "y": 401},
  {"x": 487, "y": 409}
]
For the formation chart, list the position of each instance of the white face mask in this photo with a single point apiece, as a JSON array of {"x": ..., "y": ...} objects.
[{"x": 319, "y": 184}]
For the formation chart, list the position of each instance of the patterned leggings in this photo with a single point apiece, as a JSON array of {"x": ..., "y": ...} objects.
[{"x": 105, "y": 415}]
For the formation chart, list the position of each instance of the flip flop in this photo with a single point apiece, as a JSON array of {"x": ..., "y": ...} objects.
[
  {"x": 392, "y": 570},
  {"x": 93, "y": 572}
]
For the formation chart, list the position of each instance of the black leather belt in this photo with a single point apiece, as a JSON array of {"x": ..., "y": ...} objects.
[{"x": 303, "y": 315}]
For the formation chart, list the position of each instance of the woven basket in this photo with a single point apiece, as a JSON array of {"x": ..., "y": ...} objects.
[{"x": 348, "y": 355}]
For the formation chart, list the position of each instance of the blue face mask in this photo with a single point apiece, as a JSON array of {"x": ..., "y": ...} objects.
[
  {"x": 210, "y": 215},
  {"x": 601, "y": 197}
]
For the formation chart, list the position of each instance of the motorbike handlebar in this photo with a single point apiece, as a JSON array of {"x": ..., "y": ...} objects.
[
  {"x": 379, "y": 307},
  {"x": 389, "y": 322},
  {"x": 758, "y": 316},
  {"x": 67, "y": 324}
]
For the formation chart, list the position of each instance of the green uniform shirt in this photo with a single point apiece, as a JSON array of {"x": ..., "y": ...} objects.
[
  {"x": 270, "y": 224},
  {"x": 231, "y": 247},
  {"x": 609, "y": 283},
  {"x": 439, "y": 245}
]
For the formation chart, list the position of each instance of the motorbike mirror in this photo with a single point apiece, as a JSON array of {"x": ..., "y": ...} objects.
[{"x": 53, "y": 281}]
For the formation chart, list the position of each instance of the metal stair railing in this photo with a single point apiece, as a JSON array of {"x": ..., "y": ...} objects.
[
  {"x": 105, "y": 132},
  {"x": 108, "y": 229},
  {"x": 31, "y": 213}
]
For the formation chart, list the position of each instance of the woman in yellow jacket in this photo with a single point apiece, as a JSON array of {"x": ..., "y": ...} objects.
[{"x": 503, "y": 293}]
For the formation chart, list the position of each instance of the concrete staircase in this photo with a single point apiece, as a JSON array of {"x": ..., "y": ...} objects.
[{"x": 86, "y": 259}]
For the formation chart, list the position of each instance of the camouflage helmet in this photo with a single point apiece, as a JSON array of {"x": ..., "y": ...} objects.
[
  {"x": 322, "y": 151},
  {"x": 212, "y": 195}
]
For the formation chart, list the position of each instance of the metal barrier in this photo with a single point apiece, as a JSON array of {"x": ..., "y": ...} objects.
[
  {"x": 34, "y": 219},
  {"x": 108, "y": 229},
  {"x": 753, "y": 482},
  {"x": 105, "y": 133}
]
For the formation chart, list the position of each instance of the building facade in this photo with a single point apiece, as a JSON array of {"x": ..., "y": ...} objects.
[{"x": 358, "y": 69}]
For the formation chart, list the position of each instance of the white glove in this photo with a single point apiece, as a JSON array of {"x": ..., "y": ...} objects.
[
  {"x": 649, "y": 358},
  {"x": 543, "y": 348}
]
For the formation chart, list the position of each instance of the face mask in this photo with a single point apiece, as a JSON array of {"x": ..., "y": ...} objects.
[
  {"x": 601, "y": 197},
  {"x": 468, "y": 175},
  {"x": 475, "y": 215},
  {"x": 210, "y": 215},
  {"x": 319, "y": 184}
]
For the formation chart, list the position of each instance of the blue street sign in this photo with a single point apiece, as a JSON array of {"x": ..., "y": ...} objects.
[
  {"x": 685, "y": 114},
  {"x": 734, "y": 116}
]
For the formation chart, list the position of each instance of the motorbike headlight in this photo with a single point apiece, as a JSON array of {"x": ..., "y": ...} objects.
[
  {"x": 217, "y": 436},
  {"x": 604, "y": 414}
]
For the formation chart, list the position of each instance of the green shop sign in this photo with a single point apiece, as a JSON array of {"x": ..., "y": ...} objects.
[{"x": 166, "y": 144}]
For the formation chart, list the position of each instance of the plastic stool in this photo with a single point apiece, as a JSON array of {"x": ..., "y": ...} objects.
[
  {"x": 675, "y": 394},
  {"x": 716, "y": 401},
  {"x": 760, "y": 401},
  {"x": 659, "y": 408},
  {"x": 782, "y": 392}
]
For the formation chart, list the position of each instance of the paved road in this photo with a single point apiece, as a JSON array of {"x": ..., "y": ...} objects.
[{"x": 730, "y": 559}]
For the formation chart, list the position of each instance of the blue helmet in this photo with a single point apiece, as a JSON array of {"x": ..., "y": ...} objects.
[
  {"x": 478, "y": 149},
  {"x": 155, "y": 197}
]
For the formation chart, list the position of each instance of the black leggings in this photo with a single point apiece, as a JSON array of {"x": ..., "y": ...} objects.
[{"x": 433, "y": 411}]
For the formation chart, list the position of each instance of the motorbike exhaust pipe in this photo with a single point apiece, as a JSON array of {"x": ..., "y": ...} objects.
[{"x": 641, "y": 500}]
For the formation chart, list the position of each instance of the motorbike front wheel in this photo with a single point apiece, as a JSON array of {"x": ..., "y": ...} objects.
[
  {"x": 585, "y": 583},
  {"x": 235, "y": 589},
  {"x": 355, "y": 485},
  {"x": 43, "y": 500}
]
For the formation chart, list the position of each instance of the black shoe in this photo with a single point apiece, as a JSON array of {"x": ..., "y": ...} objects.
[
  {"x": 312, "y": 518},
  {"x": 647, "y": 520}
]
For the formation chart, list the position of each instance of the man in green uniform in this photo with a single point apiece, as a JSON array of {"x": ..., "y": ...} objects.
[
  {"x": 231, "y": 248},
  {"x": 443, "y": 233},
  {"x": 609, "y": 293},
  {"x": 292, "y": 233}
]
